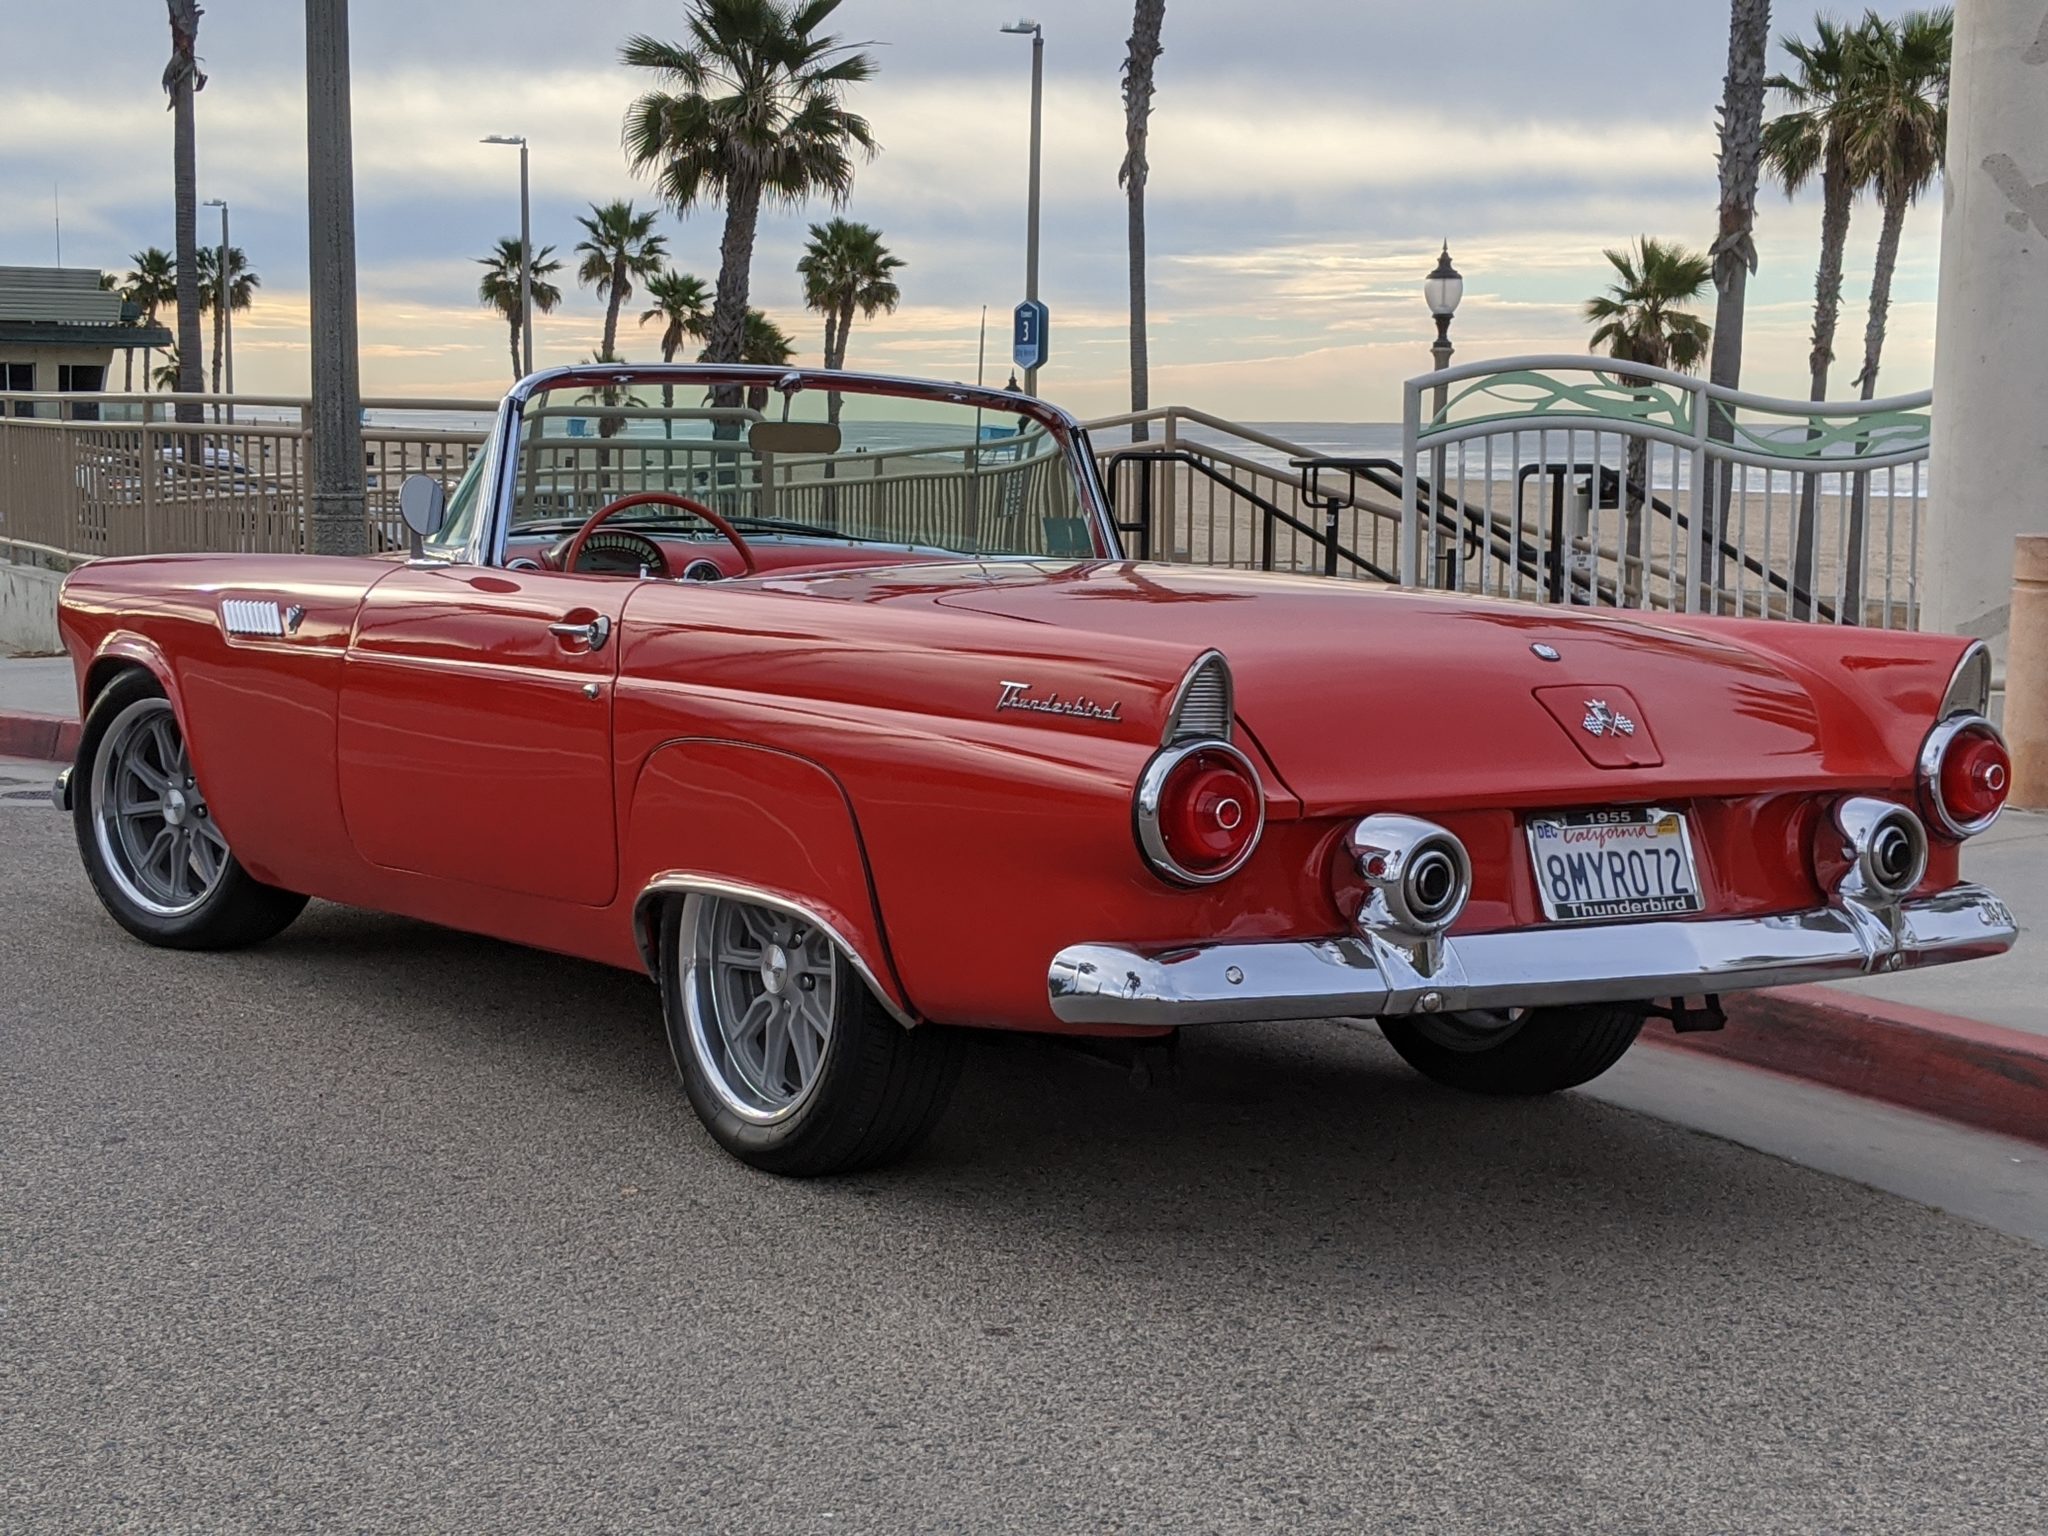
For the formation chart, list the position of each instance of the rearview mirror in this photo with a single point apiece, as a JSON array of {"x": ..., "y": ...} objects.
[
  {"x": 424, "y": 506},
  {"x": 793, "y": 437}
]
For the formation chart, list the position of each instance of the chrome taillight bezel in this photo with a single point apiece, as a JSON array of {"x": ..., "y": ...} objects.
[
  {"x": 1146, "y": 802},
  {"x": 1933, "y": 753}
]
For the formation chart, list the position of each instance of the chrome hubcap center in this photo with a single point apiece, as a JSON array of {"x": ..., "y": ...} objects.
[
  {"x": 176, "y": 807},
  {"x": 775, "y": 969}
]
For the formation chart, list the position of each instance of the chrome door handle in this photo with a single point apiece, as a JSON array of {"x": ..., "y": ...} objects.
[{"x": 593, "y": 635}]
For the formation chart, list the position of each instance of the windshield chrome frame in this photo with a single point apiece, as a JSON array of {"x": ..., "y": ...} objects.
[{"x": 486, "y": 544}]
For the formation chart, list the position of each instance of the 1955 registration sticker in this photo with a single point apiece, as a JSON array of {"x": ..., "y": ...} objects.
[{"x": 1626, "y": 862}]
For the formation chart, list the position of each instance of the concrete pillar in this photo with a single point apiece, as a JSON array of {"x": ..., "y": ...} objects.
[
  {"x": 2026, "y": 688},
  {"x": 1988, "y": 481}
]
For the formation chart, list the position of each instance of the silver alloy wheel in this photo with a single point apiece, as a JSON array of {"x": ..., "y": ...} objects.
[
  {"x": 1472, "y": 1029},
  {"x": 156, "y": 836},
  {"x": 761, "y": 992}
]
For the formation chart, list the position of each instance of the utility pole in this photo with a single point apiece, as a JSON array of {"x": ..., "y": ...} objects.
[{"x": 335, "y": 518}]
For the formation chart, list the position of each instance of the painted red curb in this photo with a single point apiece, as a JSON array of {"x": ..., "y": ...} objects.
[
  {"x": 53, "y": 738},
  {"x": 1974, "y": 1074}
]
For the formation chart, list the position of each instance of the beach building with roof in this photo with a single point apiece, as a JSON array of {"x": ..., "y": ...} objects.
[{"x": 59, "y": 331}]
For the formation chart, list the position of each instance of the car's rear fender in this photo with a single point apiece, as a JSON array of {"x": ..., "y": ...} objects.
[{"x": 732, "y": 819}]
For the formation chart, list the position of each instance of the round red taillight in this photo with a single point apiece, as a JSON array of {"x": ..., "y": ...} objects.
[
  {"x": 1199, "y": 811},
  {"x": 1965, "y": 775},
  {"x": 1976, "y": 774}
]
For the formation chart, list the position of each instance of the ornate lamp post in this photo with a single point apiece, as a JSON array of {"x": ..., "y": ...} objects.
[{"x": 1441, "y": 290}]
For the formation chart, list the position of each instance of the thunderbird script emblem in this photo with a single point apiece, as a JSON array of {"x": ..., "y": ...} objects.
[
  {"x": 1020, "y": 696},
  {"x": 1602, "y": 721}
]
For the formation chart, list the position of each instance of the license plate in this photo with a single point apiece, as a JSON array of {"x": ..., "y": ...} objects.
[{"x": 1627, "y": 862}]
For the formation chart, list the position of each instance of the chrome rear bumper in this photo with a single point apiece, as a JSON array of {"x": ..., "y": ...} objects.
[{"x": 1367, "y": 976}]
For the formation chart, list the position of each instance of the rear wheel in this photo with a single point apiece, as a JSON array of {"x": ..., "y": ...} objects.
[
  {"x": 156, "y": 857},
  {"x": 786, "y": 1056},
  {"x": 1519, "y": 1051}
]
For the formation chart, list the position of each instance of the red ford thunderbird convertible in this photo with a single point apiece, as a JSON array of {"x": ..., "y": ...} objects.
[{"x": 833, "y": 703}]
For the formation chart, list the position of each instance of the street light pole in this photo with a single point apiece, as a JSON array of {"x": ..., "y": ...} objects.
[
  {"x": 525, "y": 252},
  {"x": 1037, "y": 34},
  {"x": 1442, "y": 290},
  {"x": 227, "y": 313}
]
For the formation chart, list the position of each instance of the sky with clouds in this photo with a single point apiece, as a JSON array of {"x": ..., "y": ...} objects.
[{"x": 1307, "y": 158}]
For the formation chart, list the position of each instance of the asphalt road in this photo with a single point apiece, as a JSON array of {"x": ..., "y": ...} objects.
[{"x": 384, "y": 1228}]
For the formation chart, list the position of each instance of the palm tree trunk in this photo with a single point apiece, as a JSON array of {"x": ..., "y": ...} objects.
[
  {"x": 728, "y": 332},
  {"x": 1143, "y": 53},
  {"x": 1881, "y": 290},
  {"x": 611, "y": 313},
  {"x": 220, "y": 316},
  {"x": 1873, "y": 348},
  {"x": 1734, "y": 251},
  {"x": 1836, "y": 197},
  {"x": 185, "y": 193},
  {"x": 735, "y": 264},
  {"x": 512, "y": 324},
  {"x": 1635, "y": 472},
  {"x": 128, "y": 369}
]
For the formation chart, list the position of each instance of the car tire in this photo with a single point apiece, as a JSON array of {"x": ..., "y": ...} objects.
[
  {"x": 166, "y": 875},
  {"x": 866, "y": 1092},
  {"x": 1534, "y": 1050}
]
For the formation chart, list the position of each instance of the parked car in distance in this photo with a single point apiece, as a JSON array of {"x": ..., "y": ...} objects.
[{"x": 844, "y": 717}]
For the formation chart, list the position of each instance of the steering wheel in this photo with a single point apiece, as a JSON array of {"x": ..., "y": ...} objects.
[{"x": 573, "y": 550}]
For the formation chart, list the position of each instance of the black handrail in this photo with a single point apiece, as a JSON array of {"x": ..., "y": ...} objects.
[{"x": 1272, "y": 514}]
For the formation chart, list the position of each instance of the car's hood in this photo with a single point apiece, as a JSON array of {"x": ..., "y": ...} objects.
[{"x": 1366, "y": 693}]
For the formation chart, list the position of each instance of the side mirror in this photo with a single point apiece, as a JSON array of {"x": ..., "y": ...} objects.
[{"x": 424, "y": 505}]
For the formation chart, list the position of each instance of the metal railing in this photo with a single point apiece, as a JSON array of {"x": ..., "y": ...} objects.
[
  {"x": 87, "y": 476},
  {"x": 1206, "y": 491},
  {"x": 1566, "y": 479},
  {"x": 1585, "y": 480}
]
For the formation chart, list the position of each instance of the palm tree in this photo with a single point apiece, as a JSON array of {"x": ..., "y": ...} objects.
[
  {"x": 1816, "y": 135},
  {"x": 498, "y": 288},
  {"x": 846, "y": 268},
  {"x": 1638, "y": 319},
  {"x": 242, "y": 286},
  {"x": 762, "y": 341},
  {"x": 619, "y": 245},
  {"x": 1734, "y": 249},
  {"x": 1899, "y": 132},
  {"x": 152, "y": 283},
  {"x": 1141, "y": 54},
  {"x": 1813, "y": 136},
  {"x": 683, "y": 305},
  {"x": 183, "y": 81},
  {"x": 752, "y": 106},
  {"x": 168, "y": 372}
]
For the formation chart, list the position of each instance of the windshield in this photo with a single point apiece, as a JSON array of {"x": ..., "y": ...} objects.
[{"x": 811, "y": 463}]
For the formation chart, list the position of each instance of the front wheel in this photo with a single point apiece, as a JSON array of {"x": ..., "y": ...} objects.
[
  {"x": 786, "y": 1056},
  {"x": 153, "y": 851},
  {"x": 1517, "y": 1052}
]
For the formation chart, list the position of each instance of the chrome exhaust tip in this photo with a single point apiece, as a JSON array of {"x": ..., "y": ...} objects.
[
  {"x": 1417, "y": 874},
  {"x": 1886, "y": 845}
]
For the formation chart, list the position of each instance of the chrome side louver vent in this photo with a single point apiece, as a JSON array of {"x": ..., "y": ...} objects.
[
  {"x": 245, "y": 616},
  {"x": 1205, "y": 706}
]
